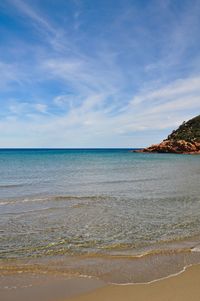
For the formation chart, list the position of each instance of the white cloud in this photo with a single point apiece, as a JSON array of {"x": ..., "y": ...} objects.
[
  {"x": 87, "y": 126},
  {"x": 41, "y": 107},
  {"x": 62, "y": 100},
  {"x": 20, "y": 108},
  {"x": 179, "y": 87}
]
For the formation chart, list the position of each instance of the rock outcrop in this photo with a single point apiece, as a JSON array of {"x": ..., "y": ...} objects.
[
  {"x": 170, "y": 146},
  {"x": 184, "y": 140}
]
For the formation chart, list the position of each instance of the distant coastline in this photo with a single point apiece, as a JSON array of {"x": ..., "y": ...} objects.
[{"x": 184, "y": 140}]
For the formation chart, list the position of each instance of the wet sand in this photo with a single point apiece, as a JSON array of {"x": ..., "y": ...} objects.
[
  {"x": 38, "y": 287},
  {"x": 182, "y": 287},
  {"x": 22, "y": 287}
]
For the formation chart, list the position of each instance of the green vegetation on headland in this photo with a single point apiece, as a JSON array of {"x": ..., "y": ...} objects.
[
  {"x": 184, "y": 140},
  {"x": 188, "y": 131}
]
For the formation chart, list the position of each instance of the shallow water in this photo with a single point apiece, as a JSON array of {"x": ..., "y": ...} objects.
[{"x": 97, "y": 202}]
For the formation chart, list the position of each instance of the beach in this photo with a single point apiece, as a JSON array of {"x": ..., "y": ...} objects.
[{"x": 183, "y": 287}]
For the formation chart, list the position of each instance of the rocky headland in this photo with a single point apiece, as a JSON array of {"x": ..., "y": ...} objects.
[{"x": 184, "y": 140}]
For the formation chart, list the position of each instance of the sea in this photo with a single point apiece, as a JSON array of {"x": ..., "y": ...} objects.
[{"x": 111, "y": 214}]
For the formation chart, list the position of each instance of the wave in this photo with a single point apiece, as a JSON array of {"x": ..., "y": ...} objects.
[
  {"x": 12, "y": 185},
  {"x": 84, "y": 248},
  {"x": 196, "y": 248},
  {"x": 69, "y": 267},
  {"x": 152, "y": 253},
  {"x": 56, "y": 198}
]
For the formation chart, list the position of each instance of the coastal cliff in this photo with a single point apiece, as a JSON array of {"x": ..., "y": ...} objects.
[{"x": 184, "y": 140}]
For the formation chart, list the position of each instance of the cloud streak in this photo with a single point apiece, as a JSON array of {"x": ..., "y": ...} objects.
[{"x": 113, "y": 81}]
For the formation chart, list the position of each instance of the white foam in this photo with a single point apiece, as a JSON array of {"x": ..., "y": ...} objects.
[
  {"x": 196, "y": 249},
  {"x": 4, "y": 203},
  {"x": 155, "y": 280}
]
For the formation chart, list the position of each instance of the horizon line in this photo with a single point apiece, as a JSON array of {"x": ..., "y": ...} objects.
[{"x": 66, "y": 148}]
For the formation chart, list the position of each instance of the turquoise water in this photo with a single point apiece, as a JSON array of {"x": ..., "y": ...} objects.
[{"x": 95, "y": 201}]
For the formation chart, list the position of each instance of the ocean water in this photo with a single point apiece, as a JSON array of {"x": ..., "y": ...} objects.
[{"x": 93, "y": 211}]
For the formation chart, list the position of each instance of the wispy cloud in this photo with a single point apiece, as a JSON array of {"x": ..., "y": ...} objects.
[
  {"x": 91, "y": 124},
  {"x": 41, "y": 107},
  {"x": 124, "y": 77},
  {"x": 180, "y": 87},
  {"x": 32, "y": 14},
  {"x": 10, "y": 74}
]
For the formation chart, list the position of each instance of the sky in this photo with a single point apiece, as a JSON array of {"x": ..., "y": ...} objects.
[{"x": 97, "y": 73}]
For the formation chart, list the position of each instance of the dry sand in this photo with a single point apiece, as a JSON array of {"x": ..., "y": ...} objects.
[{"x": 183, "y": 287}]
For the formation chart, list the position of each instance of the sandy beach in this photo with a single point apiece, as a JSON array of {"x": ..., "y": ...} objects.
[{"x": 183, "y": 287}]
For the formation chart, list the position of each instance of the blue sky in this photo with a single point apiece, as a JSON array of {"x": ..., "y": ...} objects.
[{"x": 97, "y": 73}]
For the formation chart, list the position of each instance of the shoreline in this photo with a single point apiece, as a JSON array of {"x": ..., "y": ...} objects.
[
  {"x": 181, "y": 287},
  {"x": 176, "y": 287},
  {"x": 83, "y": 278},
  {"x": 169, "y": 152},
  {"x": 147, "y": 266}
]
